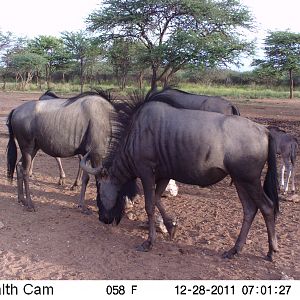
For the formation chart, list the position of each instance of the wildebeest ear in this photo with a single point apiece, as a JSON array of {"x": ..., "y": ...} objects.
[{"x": 104, "y": 173}]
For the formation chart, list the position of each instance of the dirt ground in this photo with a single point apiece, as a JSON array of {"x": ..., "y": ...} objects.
[{"x": 59, "y": 242}]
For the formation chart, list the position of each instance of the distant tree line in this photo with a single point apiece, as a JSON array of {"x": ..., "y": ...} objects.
[{"x": 153, "y": 42}]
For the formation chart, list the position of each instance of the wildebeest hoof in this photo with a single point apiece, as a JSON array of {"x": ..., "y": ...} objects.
[
  {"x": 31, "y": 209},
  {"x": 172, "y": 230},
  {"x": 86, "y": 211},
  {"x": 230, "y": 253},
  {"x": 61, "y": 181},
  {"x": 74, "y": 187},
  {"x": 145, "y": 247},
  {"x": 269, "y": 256},
  {"x": 22, "y": 201}
]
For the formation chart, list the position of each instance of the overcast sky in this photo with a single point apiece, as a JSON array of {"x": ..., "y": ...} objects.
[
  {"x": 50, "y": 17},
  {"x": 32, "y": 18}
]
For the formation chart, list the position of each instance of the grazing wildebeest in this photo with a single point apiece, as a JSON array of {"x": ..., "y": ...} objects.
[
  {"x": 286, "y": 147},
  {"x": 49, "y": 95},
  {"x": 60, "y": 128},
  {"x": 182, "y": 99},
  {"x": 159, "y": 142}
]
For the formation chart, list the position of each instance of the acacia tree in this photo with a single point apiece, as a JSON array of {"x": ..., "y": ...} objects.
[
  {"x": 10, "y": 45},
  {"x": 24, "y": 65},
  {"x": 282, "y": 55},
  {"x": 5, "y": 40},
  {"x": 125, "y": 56},
  {"x": 52, "y": 49},
  {"x": 82, "y": 48},
  {"x": 176, "y": 32}
]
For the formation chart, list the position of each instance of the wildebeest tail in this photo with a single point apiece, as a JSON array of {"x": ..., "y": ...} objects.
[
  {"x": 271, "y": 181},
  {"x": 235, "y": 110},
  {"x": 11, "y": 150}
]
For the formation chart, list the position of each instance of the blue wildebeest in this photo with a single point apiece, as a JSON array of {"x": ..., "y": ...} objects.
[
  {"x": 182, "y": 99},
  {"x": 286, "y": 147},
  {"x": 60, "y": 128},
  {"x": 49, "y": 95},
  {"x": 159, "y": 142}
]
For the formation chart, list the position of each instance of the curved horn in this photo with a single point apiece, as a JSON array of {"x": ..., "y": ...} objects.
[{"x": 88, "y": 169}]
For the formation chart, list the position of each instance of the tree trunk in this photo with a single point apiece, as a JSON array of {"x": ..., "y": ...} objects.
[
  {"x": 167, "y": 80},
  {"x": 4, "y": 83},
  {"x": 154, "y": 78},
  {"x": 48, "y": 76},
  {"x": 291, "y": 84},
  {"x": 81, "y": 75},
  {"x": 140, "y": 80}
]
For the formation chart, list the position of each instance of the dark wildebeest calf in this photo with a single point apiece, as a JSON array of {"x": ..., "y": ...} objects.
[
  {"x": 159, "y": 142},
  {"x": 60, "y": 128},
  {"x": 286, "y": 147}
]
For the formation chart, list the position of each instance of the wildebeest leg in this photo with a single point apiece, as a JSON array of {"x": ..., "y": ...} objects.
[
  {"x": 81, "y": 202},
  {"x": 95, "y": 161},
  {"x": 288, "y": 175},
  {"x": 268, "y": 214},
  {"x": 31, "y": 168},
  {"x": 20, "y": 183},
  {"x": 62, "y": 174},
  {"x": 25, "y": 169},
  {"x": 78, "y": 176},
  {"x": 267, "y": 209},
  {"x": 266, "y": 206},
  {"x": 168, "y": 222},
  {"x": 148, "y": 183},
  {"x": 282, "y": 175},
  {"x": 293, "y": 178},
  {"x": 289, "y": 168},
  {"x": 250, "y": 210}
]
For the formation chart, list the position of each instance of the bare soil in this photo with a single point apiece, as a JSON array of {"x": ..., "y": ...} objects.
[{"x": 59, "y": 242}]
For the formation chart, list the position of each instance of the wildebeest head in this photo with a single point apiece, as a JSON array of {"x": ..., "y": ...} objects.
[
  {"x": 111, "y": 206},
  {"x": 111, "y": 195}
]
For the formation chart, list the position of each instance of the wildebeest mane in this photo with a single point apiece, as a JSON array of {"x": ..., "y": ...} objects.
[
  {"x": 106, "y": 94},
  {"x": 122, "y": 119},
  {"x": 98, "y": 92},
  {"x": 50, "y": 94},
  {"x": 121, "y": 123}
]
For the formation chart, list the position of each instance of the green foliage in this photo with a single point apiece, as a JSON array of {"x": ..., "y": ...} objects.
[
  {"x": 52, "y": 49},
  {"x": 83, "y": 49},
  {"x": 176, "y": 32},
  {"x": 239, "y": 92},
  {"x": 282, "y": 55},
  {"x": 26, "y": 61},
  {"x": 24, "y": 64},
  {"x": 282, "y": 51},
  {"x": 126, "y": 56}
]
